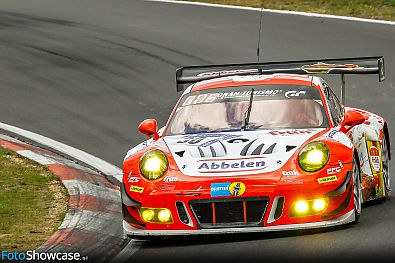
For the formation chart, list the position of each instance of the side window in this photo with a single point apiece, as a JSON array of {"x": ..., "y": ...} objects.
[{"x": 335, "y": 108}]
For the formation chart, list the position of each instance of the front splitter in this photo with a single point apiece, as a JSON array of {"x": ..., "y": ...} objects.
[{"x": 135, "y": 232}]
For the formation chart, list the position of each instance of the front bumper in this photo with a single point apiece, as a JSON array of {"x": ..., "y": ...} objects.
[
  {"x": 135, "y": 232},
  {"x": 340, "y": 211}
]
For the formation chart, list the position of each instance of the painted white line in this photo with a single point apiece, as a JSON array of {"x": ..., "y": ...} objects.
[
  {"x": 357, "y": 19},
  {"x": 77, "y": 187},
  {"x": 36, "y": 157},
  {"x": 86, "y": 158}
]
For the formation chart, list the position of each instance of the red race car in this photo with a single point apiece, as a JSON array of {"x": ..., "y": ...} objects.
[{"x": 257, "y": 147}]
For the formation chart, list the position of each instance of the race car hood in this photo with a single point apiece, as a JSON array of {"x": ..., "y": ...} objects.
[{"x": 236, "y": 153}]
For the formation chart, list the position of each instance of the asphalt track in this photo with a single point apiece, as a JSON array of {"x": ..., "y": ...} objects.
[{"x": 86, "y": 72}]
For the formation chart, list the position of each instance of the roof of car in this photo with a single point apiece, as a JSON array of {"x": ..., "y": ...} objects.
[{"x": 274, "y": 79}]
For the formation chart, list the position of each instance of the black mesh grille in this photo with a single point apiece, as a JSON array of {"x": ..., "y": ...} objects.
[
  {"x": 232, "y": 212},
  {"x": 203, "y": 212},
  {"x": 255, "y": 210},
  {"x": 229, "y": 212}
]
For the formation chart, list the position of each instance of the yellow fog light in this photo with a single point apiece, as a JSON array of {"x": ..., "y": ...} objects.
[
  {"x": 156, "y": 215},
  {"x": 147, "y": 215},
  {"x": 309, "y": 207},
  {"x": 319, "y": 205},
  {"x": 164, "y": 215},
  {"x": 301, "y": 207}
]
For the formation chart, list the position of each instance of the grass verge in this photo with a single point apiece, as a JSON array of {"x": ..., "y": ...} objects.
[
  {"x": 33, "y": 202},
  {"x": 374, "y": 9}
]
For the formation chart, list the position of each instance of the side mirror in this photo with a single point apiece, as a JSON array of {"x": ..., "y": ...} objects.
[
  {"x": 351, "y": 119},
  {"x": 149, "y": 127}
]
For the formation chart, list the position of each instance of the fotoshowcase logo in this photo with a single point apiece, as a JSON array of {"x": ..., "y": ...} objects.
[{"x": 33, "y": 255}]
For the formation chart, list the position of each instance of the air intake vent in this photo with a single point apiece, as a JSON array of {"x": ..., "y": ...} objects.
[
  {"x": 279, "y": 208},
  {"x": 231, "y": 212},
  {"x": 182, "y": 213}
]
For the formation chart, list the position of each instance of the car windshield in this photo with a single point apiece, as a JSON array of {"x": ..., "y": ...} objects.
[{"x": 224, "y": 109}]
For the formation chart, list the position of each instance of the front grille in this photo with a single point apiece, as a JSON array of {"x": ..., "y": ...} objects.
[{"x": 231, "y": 212}]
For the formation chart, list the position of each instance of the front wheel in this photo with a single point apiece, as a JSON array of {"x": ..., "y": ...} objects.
[{"x": 357, "y": 189}]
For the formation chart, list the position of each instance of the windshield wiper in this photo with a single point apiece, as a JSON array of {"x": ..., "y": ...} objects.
[{"x": 248, "y": 112}]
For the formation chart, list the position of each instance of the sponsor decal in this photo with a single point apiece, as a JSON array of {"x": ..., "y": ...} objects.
[
  {"x": 290, "y": 173},
  {"x": 333, "y": 170},
  {"x": 170, "y": 179},
  {"x": 292, "y": 181},
  {"x": 133, "y": 179},
  {"x": 341, "y": 164},
  {"x": 237, "y": 188},
  {"x": 332, "y": 133},
  {"x": 212, "y": 138},
  {"x": 136, "y": 189},
  {"x": 220, "y": 96},
  {"x": 231, "y": 165},
  {"x": 220, "y": 189},
  {"x": 166, "y": 187},
  {"x": 327, "y": 179},
  {"x": 291, "y": 132},
  {"x": 294, "y": 93},
  {"x": 227, "y": 72},
  {"x": 227, "y": 189},
  {"x": 375, "y": 157},
  {"x": 325, "y": 68}
]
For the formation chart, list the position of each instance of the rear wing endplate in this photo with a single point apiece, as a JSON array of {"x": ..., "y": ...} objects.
[{"x": 341, "y": 66}]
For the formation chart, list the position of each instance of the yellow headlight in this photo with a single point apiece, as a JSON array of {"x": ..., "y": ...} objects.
[
  {"x": 153, "y": 164},
  {"x": 313, "y": 157}
]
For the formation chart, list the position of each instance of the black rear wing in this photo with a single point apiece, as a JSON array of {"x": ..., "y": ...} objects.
[{"x": 342, "y": 66}]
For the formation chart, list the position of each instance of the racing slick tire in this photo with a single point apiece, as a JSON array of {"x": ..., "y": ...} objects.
[
  {"x": 357, "y": 188},
  {"x": 386, "y": 175}
]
